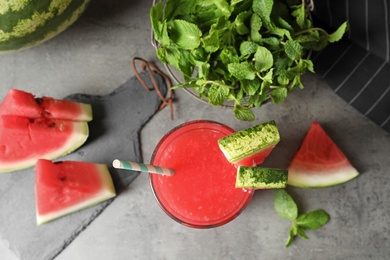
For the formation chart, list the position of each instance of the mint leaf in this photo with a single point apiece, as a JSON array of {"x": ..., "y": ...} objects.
[
  {"x": 211, "y": 42},
  {"x": 227, "y": 37},
  {"x": 309, "y": 65},
  {"x": 283, "y": 23},
  {"x": 313, "y": 220},
  {"x": 263, "y": 8},
  {"x": 300, "y": 15},
  {"x": 284, "y": 205},
  {"x": 293, "y": 50},
  {"x": 309, "y": 38},
  {"x": 338, "y": 34},
  {"x": 217, "y": 94},
  {"x": 243, "y": 113},
  {"x": 296, "y": 82},
  {"x": 240, "y": 21},
  {"x": 293, "y": 232},
  {"x": 279, "y": 95},
  {"x": 272, "y": 43},
  {"x": 257, "y": 100},
  {"x": 170, "y": 55},
  {"x": 269, "y": 76},
  {"x": 243, "y": 70},
  {"x": 282, "y": 66},
  {"x": 185, "y": 35},
  {"x": 283, "y": 80},
  {"x": 186, "y": 68},
  {"x": 250, "y": 87},
  {"x": 174, "y": 8},
  {"x": 281, "y": 32},
  {"x": 255, "y": 24},
  {"x": 156, "y": 17},
  {"x": 248, "y": 48},
  {"x": 264, "y": 88},
  {"x": 164, "y": 37},
  {"x": 229, "y": 55},
  {"x": 159, "y": 25},
  {"x": 263, "y": 59},
  {"x": 223, "y": 7},
  {"x": 301, "y": 233},
  {"x": 204, "y": 70},
  {"x": 160, "y": 52}
]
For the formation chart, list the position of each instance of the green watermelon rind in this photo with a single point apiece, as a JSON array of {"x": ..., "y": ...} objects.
[
  {"x": 301, "y": 177},
  {"x": 247, "y": 142},
  {"x": 107, "y": 192},
  {"x": 261, "y": 178},
  {"x": 86, "y": 113},
  {"x": 29, "y": 24},
  {"x": 77, "y": 139}
]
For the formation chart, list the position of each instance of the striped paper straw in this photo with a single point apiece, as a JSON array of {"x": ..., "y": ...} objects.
[{"x": 134, "y": 166}]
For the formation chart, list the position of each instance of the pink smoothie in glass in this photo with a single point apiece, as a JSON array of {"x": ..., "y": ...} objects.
[{"x": 201, "y": 193}]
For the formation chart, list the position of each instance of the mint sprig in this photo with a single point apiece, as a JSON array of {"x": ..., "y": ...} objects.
[
  {"x": 244, "y": 51},
  {"x": 286, "y": 208}
]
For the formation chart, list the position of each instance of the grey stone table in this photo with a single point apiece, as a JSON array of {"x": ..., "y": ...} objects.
[{"x": 94, "y": 57}]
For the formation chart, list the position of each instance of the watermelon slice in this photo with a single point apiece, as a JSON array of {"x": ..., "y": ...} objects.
[
  {"x": 261, "y": 178},
  {"x": 251, "y": 146},
  {"x": 24, "y": 140},
  {"x": 32, "y": 128},
  {"x": 65, "y": 187},
  {"x": 319, "y": 162},
  {"x": 21, "y": 103}
]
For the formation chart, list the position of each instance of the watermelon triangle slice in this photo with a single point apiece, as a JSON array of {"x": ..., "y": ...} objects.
[
  {"x": 319, "y": 162},
  {"x": 23, "y": 140},
  {"x": 64, "y": 187},
  {"x": 32, "y": 128}
]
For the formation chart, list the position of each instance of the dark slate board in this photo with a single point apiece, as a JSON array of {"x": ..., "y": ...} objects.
[{"x": 114, "y": 133}]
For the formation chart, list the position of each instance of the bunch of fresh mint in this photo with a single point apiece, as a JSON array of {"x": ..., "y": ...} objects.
[{"x": 245, "y": 51}]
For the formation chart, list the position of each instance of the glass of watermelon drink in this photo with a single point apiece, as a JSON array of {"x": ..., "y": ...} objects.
[{"x": 201, "y": 193}]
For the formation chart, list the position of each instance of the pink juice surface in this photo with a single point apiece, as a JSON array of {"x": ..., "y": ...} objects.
[{"x": 202, "y": 191}]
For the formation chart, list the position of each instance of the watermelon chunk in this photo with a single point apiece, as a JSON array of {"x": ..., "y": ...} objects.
[
  {"x": 32, "y": 128},
  {"x": 65, "y": 187},
  {"x": 250, "y": 146},
  {"x": 24, "y": 140},
  {"x": 261, "y": 178},
  {"x": 319, "y": 162},
  {"x": 21, "y": 103}
]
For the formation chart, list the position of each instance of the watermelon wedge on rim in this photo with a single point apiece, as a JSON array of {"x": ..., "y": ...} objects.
[
  {"x": 319, "y": 162},
  {"x": 250, "y": 147}
]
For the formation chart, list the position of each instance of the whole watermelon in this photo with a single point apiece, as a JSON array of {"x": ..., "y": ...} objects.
[{"x": 26, "y": 23}]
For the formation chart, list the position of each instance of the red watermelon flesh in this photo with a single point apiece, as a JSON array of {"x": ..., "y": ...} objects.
[
  {"x": 24, "y": 140},
  {"x": 257, "y": 158},
  {"x": 65, "y": 187},
  {"x": 21, "y": 103},
  {"x": 319, "y": 162}
]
